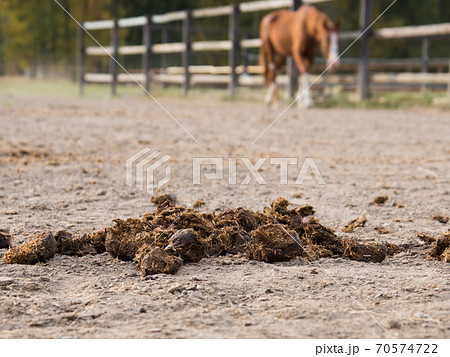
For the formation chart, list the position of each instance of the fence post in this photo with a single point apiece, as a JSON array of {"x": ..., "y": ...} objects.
[
  {"x": 425, "y": 58},
  {"x": 147, "y": 41},
  {"x": 235, "y": 46},
  {"x": 425, "y": 54},
  {"x": 187, "y": 27},
  {"x": 245, "y": 53},
  {"x": 363, "y": 70},
  {"x": 448, "y": 89},
  {"x": 164, "y": 57},
  {"x": 115, "y": 55},
  {"x": 81, "y": 57},
  {"x": 291, "y": 66}
]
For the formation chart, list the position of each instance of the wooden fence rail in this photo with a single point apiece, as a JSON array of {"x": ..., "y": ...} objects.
[{"x": 231, "y": 76}]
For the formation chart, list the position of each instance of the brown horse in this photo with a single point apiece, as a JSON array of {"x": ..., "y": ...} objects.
[{"x": 298, "y": 34}]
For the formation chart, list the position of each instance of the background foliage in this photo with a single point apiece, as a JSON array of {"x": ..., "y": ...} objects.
[{"x": 38, "y": 34}]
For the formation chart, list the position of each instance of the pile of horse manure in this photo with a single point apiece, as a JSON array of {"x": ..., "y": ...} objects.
[
  {"x": 5, "y": 240},
  {"x": 161, "y": 241}
]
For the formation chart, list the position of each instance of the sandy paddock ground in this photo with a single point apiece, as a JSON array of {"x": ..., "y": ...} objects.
[{"x": 62, "y": 166}]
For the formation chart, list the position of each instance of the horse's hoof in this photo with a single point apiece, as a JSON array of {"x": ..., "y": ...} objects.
[
  {"x": 275, "y": 106},
  {"x": 304, "y": 104}
]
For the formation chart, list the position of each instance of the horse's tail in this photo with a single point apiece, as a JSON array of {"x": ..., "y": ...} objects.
[{"x": 266, "y": 47}]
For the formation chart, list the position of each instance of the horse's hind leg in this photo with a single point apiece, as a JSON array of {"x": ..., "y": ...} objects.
[
  {"x": 303, "y": 96},
  {"x": 272, "y": 94},
  {"x": 271, "y": 91},
  {"x": 305, "y": 92}
]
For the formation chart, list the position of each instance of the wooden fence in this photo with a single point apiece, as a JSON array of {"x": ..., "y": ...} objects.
[{"x": 231, "y": 75}]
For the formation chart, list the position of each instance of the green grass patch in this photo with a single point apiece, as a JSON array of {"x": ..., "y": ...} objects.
[{"x": 331, "y": 98}]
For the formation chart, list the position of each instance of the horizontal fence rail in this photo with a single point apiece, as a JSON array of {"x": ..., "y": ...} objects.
[
  {"x": 239, "y": 75},
  {"x": 253, "y": 6},
  {"x": 218, "y": 76},
  {"x": 349, "y": 63},
  {"x": 177, "y": 77},
  {"x": 413, "y": 31},
  {"x": 387, "y": 33}
]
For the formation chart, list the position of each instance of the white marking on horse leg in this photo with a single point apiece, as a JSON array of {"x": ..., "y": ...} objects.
[
  {"x": 275, "y": 105},
  {"x": 305, "y": 100},
  {"x": 333, "y": 57},
  {"x": 308, "y": 95},
  {"x": 270, "y": 93},
  {"x": 299, "y": 95}
]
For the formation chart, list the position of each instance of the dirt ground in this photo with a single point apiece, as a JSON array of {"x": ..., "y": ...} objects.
[{"x": 62, "y": 164}]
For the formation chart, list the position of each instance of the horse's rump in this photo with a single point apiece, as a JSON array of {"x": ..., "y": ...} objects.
[
  {"x": 276, "y": 36},
  {"x": 266, "y": 50}
]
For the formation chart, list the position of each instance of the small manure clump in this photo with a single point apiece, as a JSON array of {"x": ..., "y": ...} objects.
[
  {"x": 227, "y": 240},
  {"x": 164, "y": 200},
  {"x": 239, "y": 218},
  {"x": 381, "y": 230},
  {"x": 126, "y": 237},
  {"x": 199, "y": 203},
  {"x": 441, "y": 248},
  {"x": 38, "y": 248},
  {"x": 158, "y": 261},
  {"x": 379, "y": 200},
  {"x": 5, "y": 240},
  {"x": 186, "y": 244},
  {"x": 440, "y": 219},
  {"x": 273, "y": 243},
  {"x": 80, "y": 245},
  {"x": 392, "y": 249},
  {"x": 306, "y": 210},
  {"x": 317, "y": 234},
  {"x": 372, "y": 252},
  {"x": 357, "y": 222},
  {"x": 163, "y": 240},
  {"x": 428, "y": 239}
]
